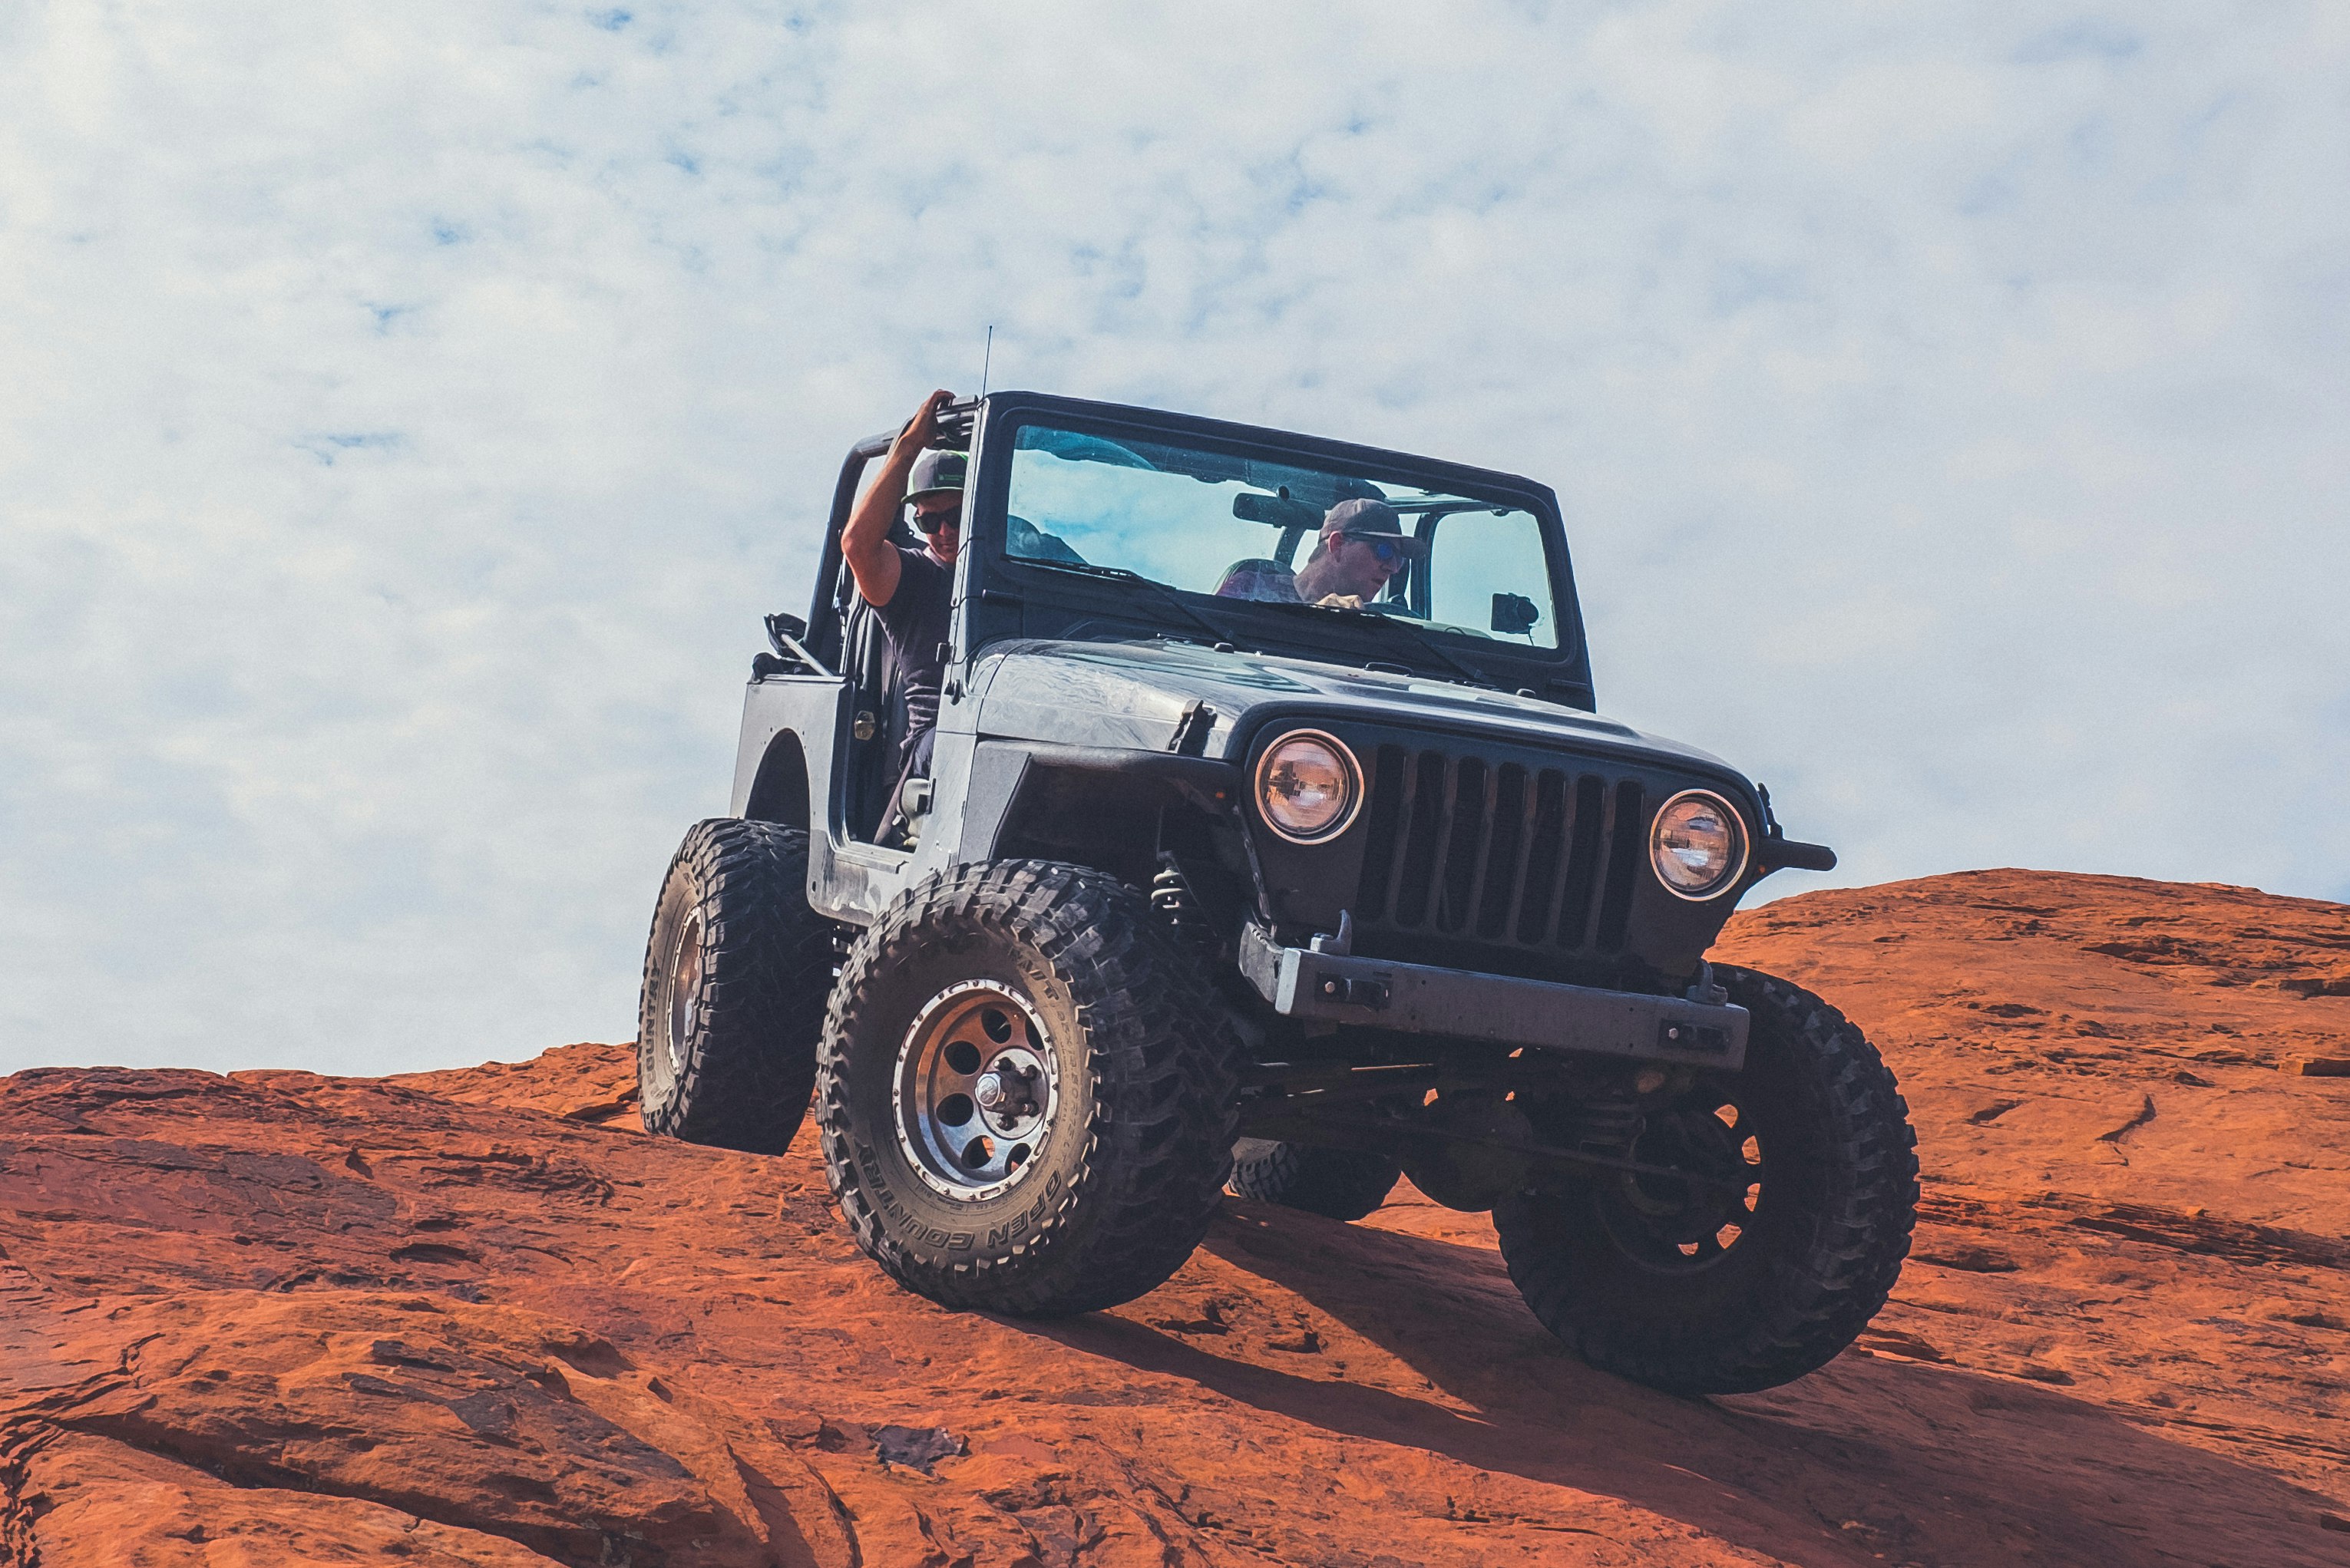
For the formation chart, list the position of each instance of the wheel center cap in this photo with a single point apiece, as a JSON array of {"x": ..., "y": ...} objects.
[{"x": 1006, "y": 1091}]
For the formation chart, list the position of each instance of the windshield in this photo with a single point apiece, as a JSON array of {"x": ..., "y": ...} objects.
[{"x": 1240, "y": 529}]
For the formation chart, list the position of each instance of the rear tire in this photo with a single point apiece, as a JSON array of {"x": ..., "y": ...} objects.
[
  {"x": 1772, "y": 1270},
  {"x": 736, "y": 972},
  {"x": 1026, "y": 1096},
  {"x": 1341, "y": 1183}
]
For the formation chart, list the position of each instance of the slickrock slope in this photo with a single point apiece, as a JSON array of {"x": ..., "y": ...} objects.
[{"x": 473, "y": 1318}]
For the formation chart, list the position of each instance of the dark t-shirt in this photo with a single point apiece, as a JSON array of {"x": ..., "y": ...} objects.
[{"x": 916, "y": 621}]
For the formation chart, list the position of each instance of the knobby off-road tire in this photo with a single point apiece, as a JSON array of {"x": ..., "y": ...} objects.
[
  {"x": 1102, "y": 1178},
  {"x": 1342, "y": 1183},
  {"x": 1820, "y": 1142},
  {"x": 736, "y": 973}
]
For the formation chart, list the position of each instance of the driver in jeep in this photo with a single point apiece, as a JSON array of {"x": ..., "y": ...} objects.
[
  {"x": 1362, "y": 546},
  {"x": 912, "y": 591}
]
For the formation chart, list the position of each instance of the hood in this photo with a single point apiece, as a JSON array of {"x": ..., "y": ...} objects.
[{"x": 1134, "y": 694}]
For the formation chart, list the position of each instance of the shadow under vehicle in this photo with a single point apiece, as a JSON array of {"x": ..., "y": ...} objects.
[{"x": 1209, "y": 890}]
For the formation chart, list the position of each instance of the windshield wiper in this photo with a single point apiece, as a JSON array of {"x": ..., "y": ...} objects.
[
  {"x": 1476, "y": 673},
  {"x": 1427, "y": 644},
  {"x": 1166, "y": 595}
]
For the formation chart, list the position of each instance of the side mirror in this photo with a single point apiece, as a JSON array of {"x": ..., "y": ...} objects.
[
  {"x": 782, "y": 631},
  {"x": 1514, "y": 614},
  {"x": 784, "y": 634}
]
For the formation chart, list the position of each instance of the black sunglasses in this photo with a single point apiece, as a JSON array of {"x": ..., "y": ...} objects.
[
  {"x": 931, "y": 522},
  {"x": 1382, "y": 544}
]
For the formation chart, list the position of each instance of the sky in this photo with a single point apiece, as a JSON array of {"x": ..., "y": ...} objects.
[{"x": 408, "y": 413}]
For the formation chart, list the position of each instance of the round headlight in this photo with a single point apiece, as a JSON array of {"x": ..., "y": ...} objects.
[
  {"x": 1698, "y": 844},
  {"x": 1307, "y": 786}
]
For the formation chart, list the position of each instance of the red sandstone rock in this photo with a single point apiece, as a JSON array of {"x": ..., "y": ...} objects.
[{"x": 463, "y": 1318}]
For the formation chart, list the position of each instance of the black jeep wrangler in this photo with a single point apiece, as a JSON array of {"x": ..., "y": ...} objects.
[{"x": 1210, "y": 889}]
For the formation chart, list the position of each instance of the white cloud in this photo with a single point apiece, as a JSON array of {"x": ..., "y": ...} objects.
[{"x": 409, "y": 416}]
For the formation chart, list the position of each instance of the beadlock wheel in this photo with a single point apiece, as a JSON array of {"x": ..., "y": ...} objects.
[
  {"x": 684, "y": 995},
  {"x": 1674, "y": 1223},
  {"x": 977, "y": 1085}
]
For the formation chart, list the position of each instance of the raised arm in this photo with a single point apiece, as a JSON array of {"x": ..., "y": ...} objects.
[{"x": 864, "y": 542}]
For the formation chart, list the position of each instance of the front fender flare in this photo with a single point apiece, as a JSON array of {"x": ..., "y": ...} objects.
[{"x": 1012, "y": 781}]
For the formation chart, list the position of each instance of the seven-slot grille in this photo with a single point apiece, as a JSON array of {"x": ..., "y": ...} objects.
[{"x": 1499, "y": 852}]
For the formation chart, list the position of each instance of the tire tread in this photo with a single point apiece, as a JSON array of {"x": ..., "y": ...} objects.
[
  {"x": 1164, "y": 1089},
  {"x": 1818, "y": 1304},
  {"x": 767, "y": 968},
  {"x": 1339, "y": 1183}
]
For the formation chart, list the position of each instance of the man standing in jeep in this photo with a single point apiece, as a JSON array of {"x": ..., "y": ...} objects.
[{"x": 912, "y": 591}]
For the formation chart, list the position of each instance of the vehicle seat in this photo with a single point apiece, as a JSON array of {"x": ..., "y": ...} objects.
[
  {"x": 874, "y": 688},
  {"x": 1248, "y": 579},
  {"x": 1025, "y": 540}
]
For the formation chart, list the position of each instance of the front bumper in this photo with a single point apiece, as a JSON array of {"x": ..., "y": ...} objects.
[{"x": 1420, "y": 999}]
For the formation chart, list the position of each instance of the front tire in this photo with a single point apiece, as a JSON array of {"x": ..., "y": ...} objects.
[
  {"x": 1774, "y": 1264},
  {"x": 736, "y": 972},
  {"x": 1026, "y": 1100}
]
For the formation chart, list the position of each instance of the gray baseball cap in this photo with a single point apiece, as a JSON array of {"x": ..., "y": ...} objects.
[
  {"x": 937, "y": 473},
  {"x": 1363, "y": 516}
]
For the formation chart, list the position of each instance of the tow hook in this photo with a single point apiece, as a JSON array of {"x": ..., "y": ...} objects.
[{"x": 1704, "y": 992}]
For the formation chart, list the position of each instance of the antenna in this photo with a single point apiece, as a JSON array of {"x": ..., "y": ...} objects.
[{"x": 987, "y": 359}]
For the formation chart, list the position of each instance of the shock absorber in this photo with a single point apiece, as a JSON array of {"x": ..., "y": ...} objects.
[
  {"x": 1603, "y": 1124},
  {"x": 1171, "y": 896}
]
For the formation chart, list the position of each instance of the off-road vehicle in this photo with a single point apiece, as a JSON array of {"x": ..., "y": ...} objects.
[{"x": 1208, "y": 890}]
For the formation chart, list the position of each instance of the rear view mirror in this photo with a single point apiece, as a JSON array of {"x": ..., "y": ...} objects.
[
  {"x": 1514, "y": 614},
  {"x": 1278, "y": 510}
]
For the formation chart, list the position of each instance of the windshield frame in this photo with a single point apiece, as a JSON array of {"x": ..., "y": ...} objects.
[{"x": 1006, "y": 596}]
